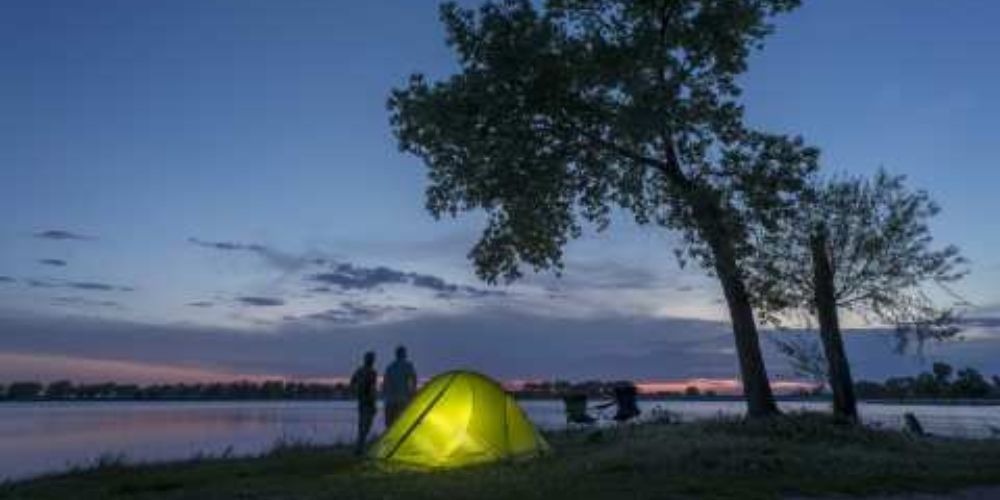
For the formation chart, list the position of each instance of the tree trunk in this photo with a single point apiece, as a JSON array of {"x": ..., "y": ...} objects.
[
  {"x": 845, "y": 406},
  {"x": 756, "y": 387},
  {"x": 713, "y": 228}
]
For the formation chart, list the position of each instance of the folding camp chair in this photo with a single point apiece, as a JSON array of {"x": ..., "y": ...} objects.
[{"x": 576, "y": 410}]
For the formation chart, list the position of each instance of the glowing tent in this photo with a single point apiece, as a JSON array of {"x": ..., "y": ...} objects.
[{"x": 459, "y": 418}]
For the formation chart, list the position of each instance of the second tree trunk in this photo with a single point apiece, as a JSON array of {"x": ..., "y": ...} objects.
[{"x": 845, "y": 406}]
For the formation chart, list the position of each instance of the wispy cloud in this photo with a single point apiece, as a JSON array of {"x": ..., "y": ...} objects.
[
  {"x": 284, "y": 261},
  {"x": 37, "y": 283},
  {"x": 330, "y": 274},
  {"x": 84, "y": 302},
  {"x": 261, "y": 301},
  {"x": 227, "y": 245},
  {"x": 61, "y": 234},
  {"x": 7, "y": 279},
  {"x": 350, "y": 277},
  {"x": 603, "y": 274},
  {"x": 201, "y": 303},
  {"x": 354, "y": 277},
  {"x": 982, "y": 321},
  {"x": 355, "y": 313},
  {"x": 53, "y": 262},
  {"x": 94, "y": 286},
  {"x": 501, "y": 342},
  {"x": 97, "y": 286}
]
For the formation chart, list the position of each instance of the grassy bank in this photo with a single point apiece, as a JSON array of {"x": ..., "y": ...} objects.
[{"x": 723, "y": 459}]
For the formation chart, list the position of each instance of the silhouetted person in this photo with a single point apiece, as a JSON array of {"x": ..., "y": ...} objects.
[
  {"x": 363, "y": 386},
  {"x": 398, "y": 386}
]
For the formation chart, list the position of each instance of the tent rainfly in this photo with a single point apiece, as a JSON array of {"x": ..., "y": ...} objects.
[{"x": 459, "y": 418}]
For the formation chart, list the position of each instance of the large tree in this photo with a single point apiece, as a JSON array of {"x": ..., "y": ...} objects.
[
  {"x": 561, "y": 114},
  {"x": 860, "y": 245}
]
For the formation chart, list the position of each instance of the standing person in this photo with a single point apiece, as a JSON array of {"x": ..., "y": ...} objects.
[
  {"x": 363, "y": 386},
  {"x": 398, "y": 386}
]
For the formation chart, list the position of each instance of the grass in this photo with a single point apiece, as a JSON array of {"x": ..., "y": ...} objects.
[{"x": 732, "y": 459}]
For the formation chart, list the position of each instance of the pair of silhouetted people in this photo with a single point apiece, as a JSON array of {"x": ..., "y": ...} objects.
[{"x": 398, "y": 386}]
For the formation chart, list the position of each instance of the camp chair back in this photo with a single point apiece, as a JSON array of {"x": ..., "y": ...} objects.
[
  {"x": 576, "y": 409},
  {"x": 913, "y": 425},
  {"x": 626, "y": 397}
]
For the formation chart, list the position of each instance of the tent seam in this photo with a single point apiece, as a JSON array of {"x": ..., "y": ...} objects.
[{"x": 420, "y": 418}]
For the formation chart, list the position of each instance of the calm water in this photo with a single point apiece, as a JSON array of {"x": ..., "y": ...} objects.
[{"x": 37, "y": 438}]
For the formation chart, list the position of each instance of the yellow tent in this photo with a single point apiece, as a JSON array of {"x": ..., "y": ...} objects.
[{"x": 459, "y": 418}]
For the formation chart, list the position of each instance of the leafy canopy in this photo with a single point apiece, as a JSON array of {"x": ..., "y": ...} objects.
[
  {"x": 562, "y": 114},
  {"x": 880, "y": 248}
]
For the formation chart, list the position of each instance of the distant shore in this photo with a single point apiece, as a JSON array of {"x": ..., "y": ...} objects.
[{"x": 527, "y": 397}]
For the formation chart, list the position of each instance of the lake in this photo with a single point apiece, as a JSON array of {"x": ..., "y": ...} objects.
[{"x": 43, "y": 437}]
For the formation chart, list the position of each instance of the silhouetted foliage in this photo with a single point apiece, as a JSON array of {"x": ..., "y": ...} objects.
[
  {"x": 967, "y": 383},
  {"x": 59, "y": 390},
  {"x": 860, "y": 245},
  {"x": 804, "y": 356},
  {"x": 546, "y": 389},
  {"x": 562, "y": 114},
  {"x": 275, "y": 389},
  {"x": 880, "y": 249},
  {"x": 24, "y": 390}
]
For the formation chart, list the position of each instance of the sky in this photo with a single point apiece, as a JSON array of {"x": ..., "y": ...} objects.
[{"x": 210, "y": 189}]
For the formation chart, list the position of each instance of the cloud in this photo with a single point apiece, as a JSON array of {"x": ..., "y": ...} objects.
[
  {"x": 261, "y": 301},
  {"x": 77, "y": 285},
  {"x": 347, "y": 276},
  {"x": 37, "y": 283},
  {"x": 353, "y": 277},
  {"x": 354, "y": 313},
  {"x": 83, "y": 302},
  {"x": 602, "y": 274},
  {"x": 53, "y": 262},
  {"x": 60, "y": 234},
  {"x": 473, "y": 292},
  {"x": 226, "y": 245},
  {"x": 503, "y": 343},
  {"x": 275, "y": 258},
  {"x": 97, "y": 286},
  {"x": 7, "y": 279},
  {"x": 350, "y": 277},
  {"x": 14, "y": 366},
  {"x": 982, "y": 321},
  {"x": 201, "y": 303}
]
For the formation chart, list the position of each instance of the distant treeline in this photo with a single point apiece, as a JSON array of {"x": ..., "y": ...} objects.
[
  {"x": 557, "y": 388},
  {"x": 65, "y": 390},
  {"x": 942, "y": 382},
  {"x": 273, "y": 389}
]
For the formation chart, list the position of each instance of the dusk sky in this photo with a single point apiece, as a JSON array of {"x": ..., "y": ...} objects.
[{"x": 210, "y": 189}]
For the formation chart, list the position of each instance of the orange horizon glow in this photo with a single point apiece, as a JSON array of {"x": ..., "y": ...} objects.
[
  {"x": 719, "y": 386},
  {"x": 722, "y": 386}
]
